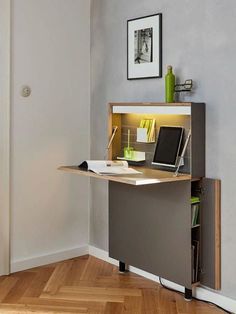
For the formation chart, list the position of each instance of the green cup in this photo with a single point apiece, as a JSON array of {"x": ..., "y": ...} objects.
[{"x": 128, "y": 152}]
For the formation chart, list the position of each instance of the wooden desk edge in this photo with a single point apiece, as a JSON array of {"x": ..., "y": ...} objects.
[{"x": 131, "y": 179}]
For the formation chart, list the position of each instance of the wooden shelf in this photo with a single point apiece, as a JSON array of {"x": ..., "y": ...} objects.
[
  {"x": 196, "y": 179},
  {"x": 148, "y": 176},
  {"x": 151, "y": 142}
]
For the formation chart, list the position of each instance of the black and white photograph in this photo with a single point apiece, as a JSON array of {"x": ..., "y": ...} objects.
[{"x": 144, "y": 45}]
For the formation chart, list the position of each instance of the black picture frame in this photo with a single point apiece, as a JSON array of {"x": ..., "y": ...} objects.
[{"x": 144, "y": 62}]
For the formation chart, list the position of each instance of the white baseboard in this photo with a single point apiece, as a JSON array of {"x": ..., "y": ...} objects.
[
  {"x": 36, "y": 261},
  {"x": 199, "y": 292}
]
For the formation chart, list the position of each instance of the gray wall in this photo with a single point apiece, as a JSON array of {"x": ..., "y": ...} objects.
[{"x": 199, "y": 41}]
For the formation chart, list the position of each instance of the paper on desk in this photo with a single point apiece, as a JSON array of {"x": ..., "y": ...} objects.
[
  {"x": 108, "y": 167},
  {"x": 114, "y": 170}
]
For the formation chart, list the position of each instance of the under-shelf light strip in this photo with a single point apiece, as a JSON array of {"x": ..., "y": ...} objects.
[{"x": 181, "y": 110}]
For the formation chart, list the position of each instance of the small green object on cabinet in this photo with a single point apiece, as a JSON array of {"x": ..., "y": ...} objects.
[{"x": 169, "y": 85}]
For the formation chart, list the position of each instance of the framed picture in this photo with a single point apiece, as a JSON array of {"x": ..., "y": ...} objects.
[{"x": 144, "y": 45}]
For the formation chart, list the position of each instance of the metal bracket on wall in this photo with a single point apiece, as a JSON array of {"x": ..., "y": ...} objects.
[{"x": 185, "y": 87}]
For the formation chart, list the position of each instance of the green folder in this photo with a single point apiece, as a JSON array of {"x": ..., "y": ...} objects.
[{"x": 195, "y": 199}]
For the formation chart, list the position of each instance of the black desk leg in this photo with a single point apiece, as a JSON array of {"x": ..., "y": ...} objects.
[
  {"x": 121, "y": 267},
  {"x": 188, "y": 294}
]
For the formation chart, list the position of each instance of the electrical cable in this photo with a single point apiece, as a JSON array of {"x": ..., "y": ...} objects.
[{"x": 209, "y": 302}]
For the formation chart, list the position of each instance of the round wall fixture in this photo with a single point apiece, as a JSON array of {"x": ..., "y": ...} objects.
[{"x": 25, "y": 91}]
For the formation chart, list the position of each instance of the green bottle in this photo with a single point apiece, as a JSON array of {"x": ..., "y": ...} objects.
[{"x": 170, "y": 85}]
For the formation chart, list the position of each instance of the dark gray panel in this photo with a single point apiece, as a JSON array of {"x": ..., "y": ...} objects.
[
  {"x": 198, "y": 139},
  {"x": 210, "y": 233},
  {"x": 150, "y": 228},
  {"x": 132, "y": 122}
]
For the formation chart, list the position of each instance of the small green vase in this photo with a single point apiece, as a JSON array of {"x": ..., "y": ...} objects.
[{"x": 170, "y": 85}]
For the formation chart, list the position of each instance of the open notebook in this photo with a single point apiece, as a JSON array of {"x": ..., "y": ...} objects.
[{"x": 108, "y": 167}]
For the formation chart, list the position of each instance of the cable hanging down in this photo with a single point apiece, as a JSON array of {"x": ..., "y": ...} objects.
[{"x": 209, "y": 302}]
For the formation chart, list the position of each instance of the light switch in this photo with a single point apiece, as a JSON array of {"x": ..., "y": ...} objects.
[{"x": 25, "y": 91}]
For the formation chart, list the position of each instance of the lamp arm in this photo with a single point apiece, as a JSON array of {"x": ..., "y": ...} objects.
[{"x": 115, "y": 128}]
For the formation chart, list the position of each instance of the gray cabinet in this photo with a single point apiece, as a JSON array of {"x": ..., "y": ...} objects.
[{"x": 150, "y": 228}]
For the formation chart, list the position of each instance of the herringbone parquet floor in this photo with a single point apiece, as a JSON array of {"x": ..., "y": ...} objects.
[{"x": 89, "y": 285}]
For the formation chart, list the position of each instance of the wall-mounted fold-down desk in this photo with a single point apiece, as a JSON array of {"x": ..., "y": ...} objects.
[
  {"x": 147, "y": 176},
  {"x": 150, "y": 213}
]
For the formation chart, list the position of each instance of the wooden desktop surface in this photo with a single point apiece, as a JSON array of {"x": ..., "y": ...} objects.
[{"x": 148, "y": 176}]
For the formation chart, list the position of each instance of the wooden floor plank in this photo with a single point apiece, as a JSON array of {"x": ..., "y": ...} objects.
[
  {"x": 166, "y": 301},
  {"x": 89, "y": 297},
  {"x": 101, "y": 291},
  {"x": 58, "y": 277},
  {"x": 92, "y": 269},
  {"x": 149, "y": 297},
  {"x": 76, "y": 271},
  {"x": 38, "y": 284},
  {"x": 133, "y": 305},
  {"x": 98, "y": 306},
  {"x": 89, "y": 285},
  {"x": 18, "y": 290},
  {"x": 42, "y": 309},
  {"x": 6, "y": 285},
  {"x": 107, "y": 270},
  {"x": 114, "y": 308}
]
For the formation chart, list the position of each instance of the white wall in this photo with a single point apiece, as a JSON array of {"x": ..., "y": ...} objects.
[
  {"x": 4, "y": 135},
  {"x": 51, "y": 54}
]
